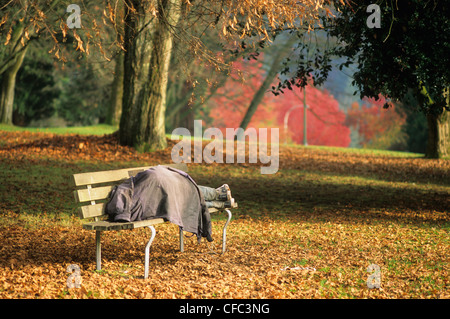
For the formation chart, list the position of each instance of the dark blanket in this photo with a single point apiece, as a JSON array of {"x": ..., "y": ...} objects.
[{"x": 161, "y": 192}]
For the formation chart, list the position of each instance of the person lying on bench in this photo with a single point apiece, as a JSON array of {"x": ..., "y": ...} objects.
[{"x": 171, "y": 194}]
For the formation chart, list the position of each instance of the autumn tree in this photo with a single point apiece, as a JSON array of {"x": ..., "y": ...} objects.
[
  {"x": 17, "y": 29},
  {"x": 280, "y": 54},
  {"x": 115, "y": 107},
  {"x": 36, "y": 90},
  {"x": 377, "y": 127},
  {"x": 408, "y": 52},
  {"x": 192, "y": 83},
  {"x": 230, "y": 103},
  {"x": 148, "y": 46},
  {"x": 325, "y": 121},
  {"x": 151, "y": 27},
  {"x": 25, "y": 21}
]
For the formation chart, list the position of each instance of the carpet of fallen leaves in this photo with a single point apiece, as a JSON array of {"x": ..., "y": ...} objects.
[{"x": 309, "y": 231}]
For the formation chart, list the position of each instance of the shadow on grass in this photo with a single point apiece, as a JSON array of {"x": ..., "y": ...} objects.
[
  {"x": 383, "y": 168},
  {"x": 326, "y": 196},
  {"x": 313, "y": 192}
]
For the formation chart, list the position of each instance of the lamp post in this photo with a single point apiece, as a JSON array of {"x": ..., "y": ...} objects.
[
  {"x": 286, "y": 119},
  {"x": 305, "y": 141}
]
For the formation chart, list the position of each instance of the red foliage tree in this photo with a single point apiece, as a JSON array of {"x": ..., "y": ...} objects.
[
  {"x": 376, "y": 127},
  {"x": 231, "y": 101},
  {"x": 325, "y": 121}
]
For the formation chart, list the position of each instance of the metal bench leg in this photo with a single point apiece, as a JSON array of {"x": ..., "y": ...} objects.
[
  {"x": 181, "y": 240},
  {"x": 98, "y": 249},
  {"x": 224, "y": 234},
  {"x": 147, "y": 251}
]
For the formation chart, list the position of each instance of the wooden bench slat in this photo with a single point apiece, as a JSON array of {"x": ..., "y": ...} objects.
[
  {"x": 89, "y": 211},
  {"x": 96, "y": 193},
  {"x": 106, "y": 225},
  {"x": 92, "y": 178}
]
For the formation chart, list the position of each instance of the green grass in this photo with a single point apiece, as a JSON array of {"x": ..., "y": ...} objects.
[
  {"x": 362, "y": 151},
  {"x": 99, "y": 129}
]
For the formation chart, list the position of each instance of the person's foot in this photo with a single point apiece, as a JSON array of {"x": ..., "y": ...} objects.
[
  {"x": 223, "y": 193},
  {"x": 222, "y": 204}
]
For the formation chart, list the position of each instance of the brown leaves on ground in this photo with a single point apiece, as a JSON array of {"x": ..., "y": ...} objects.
[
  {"x": 106, "y": 148},
  {"x": 309, "y": 231},
  {"x": 265, "y": 259}
]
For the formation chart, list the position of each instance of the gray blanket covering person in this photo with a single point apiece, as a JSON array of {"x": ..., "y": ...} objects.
[{"x": 161, "y": 192}]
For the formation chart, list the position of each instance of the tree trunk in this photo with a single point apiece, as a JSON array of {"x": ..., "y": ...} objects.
[
  {"x": 115, "y": 108},
  {"x": 273, "y": 71},
  {"x": 7, "y": 85},
  {"x": 138, "y": 26},
  {"x": 148, "y": 50},
  {"x": 438, "y": 145}
]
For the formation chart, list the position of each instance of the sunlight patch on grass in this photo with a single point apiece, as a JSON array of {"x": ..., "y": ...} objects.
[
  {"x": 362, "y": 151},
  {"x": 99, "y": 129}
]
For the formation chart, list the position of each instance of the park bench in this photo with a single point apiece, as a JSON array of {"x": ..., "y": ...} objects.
[{"x": 92, "y": 192}]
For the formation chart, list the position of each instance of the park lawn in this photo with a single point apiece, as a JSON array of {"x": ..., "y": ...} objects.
[
  {"x": 99, "y": 129},
  {"x": 308, "y": 231}
]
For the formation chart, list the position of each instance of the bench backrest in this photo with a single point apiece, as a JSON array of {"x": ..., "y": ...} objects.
[{"x": 93, "y": 189}]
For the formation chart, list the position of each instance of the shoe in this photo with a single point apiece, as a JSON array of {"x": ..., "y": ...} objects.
[
  {"x": 223, "y": 193},
  {"x": 222, "y": 204}
]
